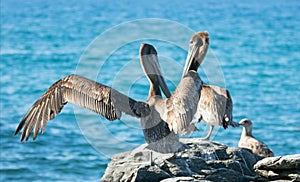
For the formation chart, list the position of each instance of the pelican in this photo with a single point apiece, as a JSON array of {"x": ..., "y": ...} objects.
[
  {"x": 110, "y": 103},
  {"x": 156, "y": 131},
  {"x": 250, "y": 142},
  {"x": 215, "y": 104},
  {"x": 215, "y": 108},
  {"x": 161, "y": 119},
  {"x": 105, "y": 101},
  {"x": 178, "y": 110}
]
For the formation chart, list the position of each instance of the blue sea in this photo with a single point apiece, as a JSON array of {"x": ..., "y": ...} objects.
[{"x": 254, "y": 53}]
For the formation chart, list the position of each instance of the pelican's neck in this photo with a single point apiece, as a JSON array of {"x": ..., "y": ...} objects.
[
  {"x": 154, "y": 90},
  {"x": 247, "y": 131}
]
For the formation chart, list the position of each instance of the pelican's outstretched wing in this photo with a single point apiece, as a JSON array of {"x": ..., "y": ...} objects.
[{"x": 83, "y": 92}]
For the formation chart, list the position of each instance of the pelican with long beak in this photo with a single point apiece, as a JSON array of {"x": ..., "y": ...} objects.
[
  {"x": 181, "y": 107},
  {"x": 215, "y": 104},
  {"x": 177, "y": 110},
  {"x": 161, "y": 119},
  {"x": 107, "y": 102},
  {"x": 156, "y": 131}
]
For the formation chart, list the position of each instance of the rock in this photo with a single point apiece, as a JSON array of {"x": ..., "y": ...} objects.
[
  {"x": 180, "y": 179},
  {"x": 151, "y": 173},
  {"x": 285, "y": 168},
  {"x": 202, "y": 161}
]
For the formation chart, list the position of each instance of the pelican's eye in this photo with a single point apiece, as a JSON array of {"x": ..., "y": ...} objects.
[{"x": 207, "y": 40}]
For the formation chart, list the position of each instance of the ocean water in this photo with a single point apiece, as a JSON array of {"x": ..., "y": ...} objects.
[{"x": 257, "y": 48}]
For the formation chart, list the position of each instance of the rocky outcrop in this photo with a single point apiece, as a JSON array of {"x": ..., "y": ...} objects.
[
  {"x": 283, "y": 168},
  {"x": 203, "y": 160}
]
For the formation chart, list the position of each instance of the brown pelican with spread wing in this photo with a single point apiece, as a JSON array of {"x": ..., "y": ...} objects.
[
  {"x": 103, "y": 100},
  {"x": 176, "y": 111}
]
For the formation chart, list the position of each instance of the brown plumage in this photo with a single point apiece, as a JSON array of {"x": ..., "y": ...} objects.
[
  {"x": 83, "y": 92},
  {"x": 156, "y": 131},
  {"x": 182, "y": 105},
  {"x": 250, "y": 142},
  {"x": 215, "y": 105},
  {"x": 107, "y": 102},
  {"x": 177, "y": 111},
  {"x": 215, "y": 108},
  {"x": 97, "y": 97}
]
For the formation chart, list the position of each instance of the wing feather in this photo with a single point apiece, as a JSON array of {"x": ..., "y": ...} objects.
[
  {"x": 46, "y": 115},
  {"x": 30, "y": 124},
  {"x": 182, "y": 104},
  {"x": 215, "y": 106},
  {"x": 83, "y": 92},
  {"x": 25, "y": 122},
  {"x": 38, "y": 121}
]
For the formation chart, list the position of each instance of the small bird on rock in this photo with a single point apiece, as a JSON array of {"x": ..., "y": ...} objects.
[{"x": 250, "y": 142}]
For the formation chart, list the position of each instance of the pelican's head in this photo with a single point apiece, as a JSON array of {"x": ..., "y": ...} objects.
[
  {"x": 151, "y": 67},
  {"x": 197, "y": 50}
]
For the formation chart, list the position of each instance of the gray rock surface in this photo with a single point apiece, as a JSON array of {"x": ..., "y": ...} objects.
[
  {"x": 283, "y": 168},
  {"x": 202, "y": 161}
]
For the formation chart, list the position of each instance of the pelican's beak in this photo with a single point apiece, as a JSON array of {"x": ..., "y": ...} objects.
[
  {"x": 151, "y": 67},
  {"x": 190, "y": 58},
  {"x": 197, "y": 50}
]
